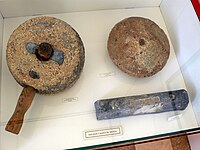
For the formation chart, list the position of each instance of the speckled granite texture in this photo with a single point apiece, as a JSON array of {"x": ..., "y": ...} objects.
[{"x": 45, "y": 76}]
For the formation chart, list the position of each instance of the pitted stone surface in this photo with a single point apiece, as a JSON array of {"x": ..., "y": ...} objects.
[
  {"x": 138, "y": 46},
  {"x": 51, "y": 76}
]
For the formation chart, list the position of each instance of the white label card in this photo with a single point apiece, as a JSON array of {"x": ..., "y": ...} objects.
[
  {"x": 70, "y": 99},
  {"x": 107, "y": 74},
  {"x": 105, "y": 132},
  {"x": 174, "y": 117}
]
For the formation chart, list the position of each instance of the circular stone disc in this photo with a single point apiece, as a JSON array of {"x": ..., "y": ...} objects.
[
  {"x": 45, "y": 76},
  {"x": 138, "y": 47}
]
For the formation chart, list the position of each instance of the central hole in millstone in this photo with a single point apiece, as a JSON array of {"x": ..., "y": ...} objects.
[{"x": 44, "y": 51}]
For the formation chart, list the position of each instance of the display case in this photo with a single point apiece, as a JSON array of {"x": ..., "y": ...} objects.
[{"x": 67, "y": 120}]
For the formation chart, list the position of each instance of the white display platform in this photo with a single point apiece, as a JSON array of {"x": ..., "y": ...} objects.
[{"x": 59, "y": 121}]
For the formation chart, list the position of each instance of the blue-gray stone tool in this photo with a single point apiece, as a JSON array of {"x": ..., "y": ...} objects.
[{"x": 141, "y": 104}]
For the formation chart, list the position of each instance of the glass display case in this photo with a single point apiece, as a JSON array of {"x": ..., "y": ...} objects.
[{"x": 67, "y": 120}]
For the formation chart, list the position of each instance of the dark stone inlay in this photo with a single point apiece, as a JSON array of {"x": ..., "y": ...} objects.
[
  {"x": 30, "y": 47},
  {"x": 58, "y": 56},
  {"x": 34, "y": 74}
]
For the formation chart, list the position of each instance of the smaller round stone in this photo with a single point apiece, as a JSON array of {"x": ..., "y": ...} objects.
[{"x": 138, "y": 46}]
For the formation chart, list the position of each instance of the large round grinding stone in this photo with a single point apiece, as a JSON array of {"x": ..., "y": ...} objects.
[
  {"x": 67, "y": 54},
  {"x": 138, "y": 46}
]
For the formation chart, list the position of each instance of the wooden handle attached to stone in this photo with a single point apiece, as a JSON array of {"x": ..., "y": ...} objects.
[{"x": 24, "y": 102}]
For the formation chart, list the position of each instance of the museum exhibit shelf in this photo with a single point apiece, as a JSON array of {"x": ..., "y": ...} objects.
[{"x": 68, "y": 120}]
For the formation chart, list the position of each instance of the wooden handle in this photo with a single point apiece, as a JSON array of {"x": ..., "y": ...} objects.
[{"x": 24, "y": 102}]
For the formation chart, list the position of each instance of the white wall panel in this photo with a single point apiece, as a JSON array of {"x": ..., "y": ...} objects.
[
  {"x": 183, "y": 26},
  {"x": 172, "y": 9},
  {"x": 184, "y": 29},
  {"x": 13, "y": 8},
  {"x": 1, "y": 46}
]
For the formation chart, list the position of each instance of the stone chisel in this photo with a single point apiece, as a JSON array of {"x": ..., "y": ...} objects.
[{"x": 141, "y": 104}]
